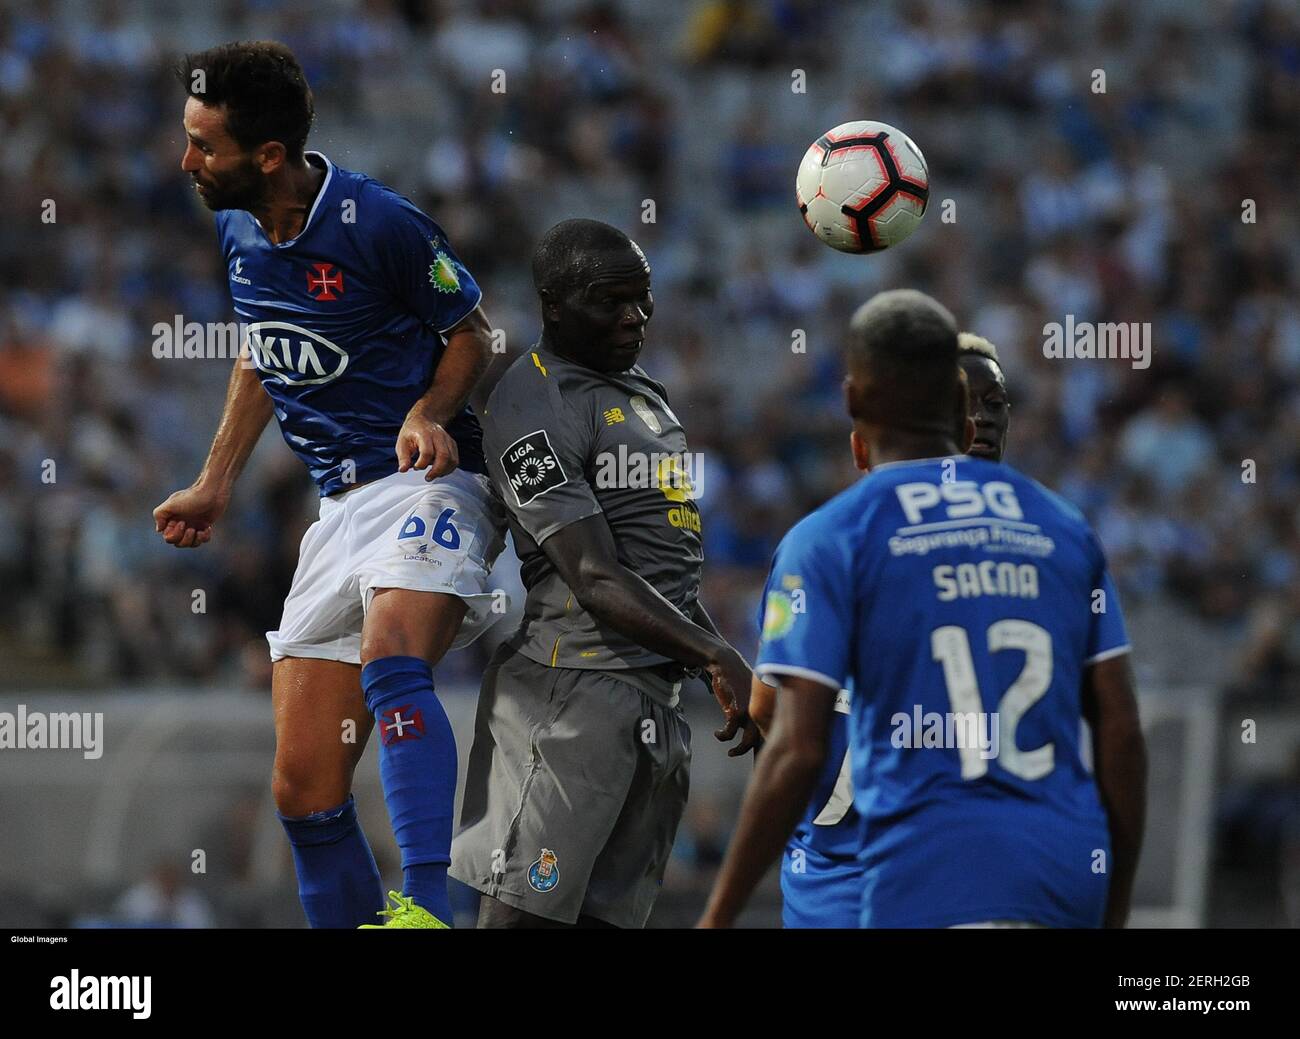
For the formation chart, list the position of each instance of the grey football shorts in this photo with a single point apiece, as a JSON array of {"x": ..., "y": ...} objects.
[{"x": 576, "y": 783}]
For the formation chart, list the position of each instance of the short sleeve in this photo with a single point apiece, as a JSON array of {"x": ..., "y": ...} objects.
[
  {"x": 537, "y": 450},
  {"x": 808, "y": 610},
  {"x": 1107, "y": 636},
  {"x": 424, "y": 273}
]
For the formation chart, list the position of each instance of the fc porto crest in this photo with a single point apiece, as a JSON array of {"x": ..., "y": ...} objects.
[{"x": 544, "y": 874}]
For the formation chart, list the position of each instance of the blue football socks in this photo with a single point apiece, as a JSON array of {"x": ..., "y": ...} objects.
[
  {"x": 417, "y": 763},
  {"x": 338, "y": 881}
]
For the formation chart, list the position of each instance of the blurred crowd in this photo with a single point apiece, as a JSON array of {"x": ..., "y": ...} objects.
[{"x": 1104, "y": 160}]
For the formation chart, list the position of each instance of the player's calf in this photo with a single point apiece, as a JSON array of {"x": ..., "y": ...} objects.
[
  {"x": 405, "y": 633},
  {"x": 314, "y": 700},
  {"x": 321, "y": 728}
]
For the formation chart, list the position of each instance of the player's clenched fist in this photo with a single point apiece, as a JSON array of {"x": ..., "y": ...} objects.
[
  {"x": 423, "y": 443},
  {"x": 185, "y": 519}
]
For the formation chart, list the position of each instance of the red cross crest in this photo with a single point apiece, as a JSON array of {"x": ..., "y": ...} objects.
[
  {"x": 401, "y": 723},
  {"x": 325, "y": 281}
]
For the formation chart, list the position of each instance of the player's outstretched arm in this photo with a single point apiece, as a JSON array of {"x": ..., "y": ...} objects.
[
  {"x": 585, "y": 556},
  {"x": 423, "y": 442},
  {"x": 783, "y": 781},
  {"x": 185, "y": 519},
  {"x": 1120, "y": 765}
]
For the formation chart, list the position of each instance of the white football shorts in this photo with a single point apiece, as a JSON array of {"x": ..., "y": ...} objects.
[{"x": 398, "y": 532}]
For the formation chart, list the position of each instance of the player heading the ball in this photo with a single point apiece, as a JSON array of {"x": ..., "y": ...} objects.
[
  {"x": 365, "y": 340},
  {"x": 580, "y": 767}
]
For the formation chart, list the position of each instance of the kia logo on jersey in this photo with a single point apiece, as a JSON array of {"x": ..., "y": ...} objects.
[{"x": 294, "y": 354}]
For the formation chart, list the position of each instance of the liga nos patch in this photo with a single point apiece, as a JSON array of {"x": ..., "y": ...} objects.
[{"x": 532, "y": 467}]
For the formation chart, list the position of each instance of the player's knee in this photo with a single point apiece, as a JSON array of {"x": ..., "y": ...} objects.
[
  {"x": 389, "y": 641},
  {"x": 299, "y": 790},
  {"x": 392, "y": 631},
  {"x": 402, "y": 623}
]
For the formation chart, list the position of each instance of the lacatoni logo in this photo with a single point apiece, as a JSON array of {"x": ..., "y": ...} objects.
[
  {"x": 1089, "y": 340},
  {"x": 38, "y": 730},
  {"x": 294, "y": 354},
  {"x": 73, "y": 992}
]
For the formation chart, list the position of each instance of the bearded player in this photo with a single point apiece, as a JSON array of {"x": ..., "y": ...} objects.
[
  {"x": 821, "y": 881},
  {"x": 365, "y": 339}
]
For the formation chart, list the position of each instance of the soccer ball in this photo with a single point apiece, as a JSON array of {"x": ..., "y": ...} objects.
[{"x": 862, "y": 187}]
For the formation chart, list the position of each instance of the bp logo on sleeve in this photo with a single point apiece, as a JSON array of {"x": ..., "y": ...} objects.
[
  {"x": 532, "y": 467},
  {"x": 778, "y": 617}
]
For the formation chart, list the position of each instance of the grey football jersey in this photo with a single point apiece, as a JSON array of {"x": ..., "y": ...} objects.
[{"x": 564, "y": 442}]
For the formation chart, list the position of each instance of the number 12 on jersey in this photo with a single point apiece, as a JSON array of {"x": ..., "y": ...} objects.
[{"x": 950, "y": 646}]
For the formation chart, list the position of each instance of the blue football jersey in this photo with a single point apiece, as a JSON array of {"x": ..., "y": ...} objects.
[
  {"x": 345, "y": 323},
  {"x": 830, "y": 823},
  {"x": 821, "y": 879},
  {"x": 963, "y": 601}
]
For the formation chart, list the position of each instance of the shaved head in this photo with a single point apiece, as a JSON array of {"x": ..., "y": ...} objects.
[
  {"x": 902, "y": 363},
  {"x": 594, "y": 285},
  {"x": 574, "y": 253}
]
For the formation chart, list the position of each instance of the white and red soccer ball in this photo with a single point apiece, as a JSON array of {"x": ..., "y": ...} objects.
[{"x": 863, "y": 186}]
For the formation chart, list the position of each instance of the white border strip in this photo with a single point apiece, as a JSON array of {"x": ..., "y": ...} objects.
[
  {"x": 1106, "y": 654},
  {"x": 798, "y": 672}
]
